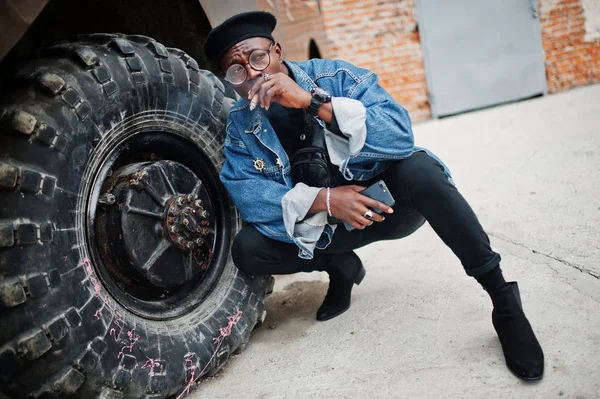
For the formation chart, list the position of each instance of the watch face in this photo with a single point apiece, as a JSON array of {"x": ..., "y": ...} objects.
[{"x": 321, "y": 95}]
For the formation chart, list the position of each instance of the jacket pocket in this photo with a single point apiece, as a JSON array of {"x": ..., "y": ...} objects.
[
  {"x": 367, "y": 170},
  {"x": 254, "y": 127}
]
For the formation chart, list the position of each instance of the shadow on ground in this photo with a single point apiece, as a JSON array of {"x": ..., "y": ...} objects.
[{"x": 297, "y": 300}]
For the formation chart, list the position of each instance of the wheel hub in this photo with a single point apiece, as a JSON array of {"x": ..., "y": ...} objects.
[
  {"x": 186, "y": 222},
  {"x": 156, "y": 228}
]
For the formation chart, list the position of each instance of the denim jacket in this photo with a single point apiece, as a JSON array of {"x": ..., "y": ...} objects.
[{"x": 256, "y": 172}]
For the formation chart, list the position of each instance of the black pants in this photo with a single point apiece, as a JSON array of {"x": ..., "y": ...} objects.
[{"x": 422, "y": 192}]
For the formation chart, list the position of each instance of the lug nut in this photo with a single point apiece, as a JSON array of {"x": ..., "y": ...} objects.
[
  {"x": 198, "y": 203},
  {"x": 199, "y": 241},
  {"x": 189, "y": 244},
  {"x": 179, "y": 201},
  {"x": 204, "y": 214},
  {"x": 173, "y": 229},
  {"x": 180, "y": 240},
  {"x": 190, "y": 198},
  {"x": 107, "y": 198}
]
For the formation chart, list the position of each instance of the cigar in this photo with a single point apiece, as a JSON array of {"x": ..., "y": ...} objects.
[{"x": 254, "y": 102}]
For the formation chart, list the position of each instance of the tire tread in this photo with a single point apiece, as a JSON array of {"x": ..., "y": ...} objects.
[{"x": 104, "y": 67}]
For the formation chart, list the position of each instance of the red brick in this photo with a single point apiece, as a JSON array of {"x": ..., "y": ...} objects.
[{"x": 394, "y": 52}]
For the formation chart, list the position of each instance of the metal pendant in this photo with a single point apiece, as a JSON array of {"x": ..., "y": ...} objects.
[{"x": 259, "y": 165}]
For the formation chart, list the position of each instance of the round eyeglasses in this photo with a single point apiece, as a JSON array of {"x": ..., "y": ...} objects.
[{"x": 259, "y": 60}]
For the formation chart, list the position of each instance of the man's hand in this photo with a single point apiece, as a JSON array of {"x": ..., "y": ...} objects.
[
  {"x": 281, "y": 89},
  {"x": 348, "y": 204}
]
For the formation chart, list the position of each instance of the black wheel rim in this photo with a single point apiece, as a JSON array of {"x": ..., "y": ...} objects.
[{"x": 157, "y": 225}]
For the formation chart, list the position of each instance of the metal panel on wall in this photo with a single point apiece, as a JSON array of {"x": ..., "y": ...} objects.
[{"x": 479, "y": 53}]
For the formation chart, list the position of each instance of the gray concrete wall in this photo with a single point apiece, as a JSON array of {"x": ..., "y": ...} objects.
[{"x": 218, "y": 11}]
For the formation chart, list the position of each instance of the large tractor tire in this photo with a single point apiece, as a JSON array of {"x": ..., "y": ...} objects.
[{"x": 116, "y": 279}]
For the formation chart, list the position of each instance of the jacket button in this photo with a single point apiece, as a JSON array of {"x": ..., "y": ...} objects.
[
  {"x": 304, "y": 253},
  {"x": 264, "y": 130},
  {"x": 302, "y": 137}
]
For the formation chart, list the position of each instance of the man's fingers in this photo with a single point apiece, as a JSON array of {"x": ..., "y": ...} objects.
[
  {"x": 261, "y": 93},
  {"x": 360, "y": 222},
  {"x": 371, "y": 203},
  {"x": 356, "y": 188},
  {"x": 255, "y": 87},
  {"x": 363, "y": 222},
  {"x": 375, "y": 217},
  {"x": 268, "y": 92},
  {"x": 265, "y": 91},
  {"x": 274, "y": 95},
  {"x": 357, "y": 225}
]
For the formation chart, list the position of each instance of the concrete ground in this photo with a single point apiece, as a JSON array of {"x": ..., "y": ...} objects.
[{"x": 418, "y": 326}]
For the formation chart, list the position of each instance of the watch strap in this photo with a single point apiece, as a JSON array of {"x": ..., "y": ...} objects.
[
  {"x": 319, "y": 97},
  {"x": 314, "y": 106}
]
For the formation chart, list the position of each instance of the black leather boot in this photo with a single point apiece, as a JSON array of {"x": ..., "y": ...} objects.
[
  {"x": 522, "y": 351},
  {"x": 344, "y": 271}
]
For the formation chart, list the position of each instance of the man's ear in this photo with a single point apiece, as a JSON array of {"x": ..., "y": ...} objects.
[{"x": 279, "y": 51}]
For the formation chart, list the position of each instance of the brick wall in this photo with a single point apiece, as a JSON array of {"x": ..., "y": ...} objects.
[
  {"x": 382, "y": 35},
  {"x": 298, "y": 22},
  {"x": 391, "y": 49},
  {"x": 572, "y": 53}
]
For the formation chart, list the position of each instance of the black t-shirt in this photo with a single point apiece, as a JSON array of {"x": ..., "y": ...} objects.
[{"x": 288, "y": 123}]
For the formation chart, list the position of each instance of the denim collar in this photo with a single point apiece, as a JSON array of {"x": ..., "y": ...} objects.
[{"x": 301, "y": 77}]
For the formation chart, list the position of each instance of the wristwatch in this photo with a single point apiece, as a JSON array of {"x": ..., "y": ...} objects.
[{"x": 319, "y": 97}]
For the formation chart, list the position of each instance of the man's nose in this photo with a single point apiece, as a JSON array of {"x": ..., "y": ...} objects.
[{"x": 252, "y": 73}]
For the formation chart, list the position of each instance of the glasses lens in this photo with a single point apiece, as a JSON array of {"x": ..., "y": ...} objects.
[
  {"x": 259, "y": 59},
  {"x": 236, "y": 74}
]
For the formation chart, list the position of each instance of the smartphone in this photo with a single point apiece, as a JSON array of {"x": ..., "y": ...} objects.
[{"x": 377, "y": 191}]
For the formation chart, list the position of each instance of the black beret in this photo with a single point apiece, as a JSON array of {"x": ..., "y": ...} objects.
[{"x": 237, "y": 28}]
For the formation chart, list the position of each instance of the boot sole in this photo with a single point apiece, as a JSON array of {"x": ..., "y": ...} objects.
[
  {"x": 360, "y": 276},
  {"x": 531, "y": 379},
  {"x": 528, "y": 379},
  {"x": 333, "y": 315}
]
